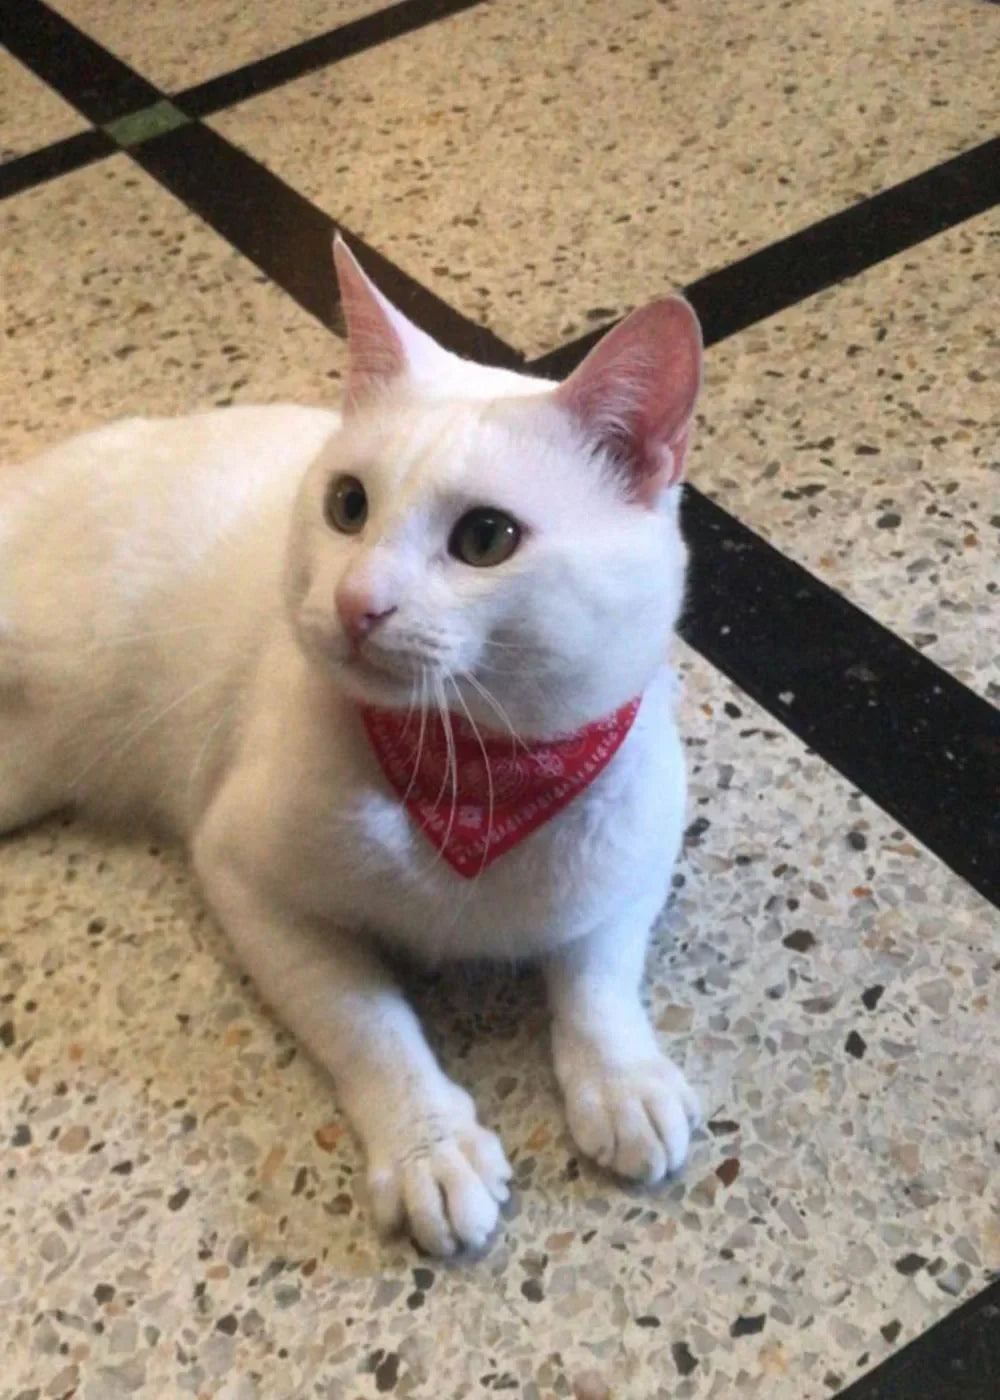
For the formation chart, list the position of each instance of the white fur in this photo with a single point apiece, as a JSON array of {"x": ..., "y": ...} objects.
[{"x": 170, "y": 651}]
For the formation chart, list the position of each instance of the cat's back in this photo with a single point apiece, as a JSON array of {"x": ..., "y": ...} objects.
[
  {"x": 130, "y": 506},
  {"x": 214, "y": 463},
  {"x": 139, "y": 564}
]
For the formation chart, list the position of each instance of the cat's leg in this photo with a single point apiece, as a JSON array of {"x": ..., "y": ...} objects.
[
  {"x": 628, "y": 1106},
  {"x": 432, "y": 1168}
]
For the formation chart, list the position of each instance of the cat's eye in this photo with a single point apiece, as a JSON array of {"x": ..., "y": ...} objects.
[
  {"x": 346, "y": 505},
  {"x": 484, "y": 538}
]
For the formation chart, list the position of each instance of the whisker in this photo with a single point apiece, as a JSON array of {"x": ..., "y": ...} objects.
[
  {"x": 126, "y": 639},
  {"x": 138, "y": 727},
  {"x": 409, "y": 708},
  {"x": 451, "y": 769},
  {"x": 494, "y": 705},
  {"x": 535, "y": 683},
  {"x": 440, "y": 706},
  {"x": 224, "y": 713},
  {"x": 153, "y": 632},
  {"x": 420, "y": 736},
  {"x": 452, "y": 759},
  {"x": 489, "y": 775}
]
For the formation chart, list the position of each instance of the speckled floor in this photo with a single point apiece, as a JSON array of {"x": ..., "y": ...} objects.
[{"x": 180, "y": 1213}]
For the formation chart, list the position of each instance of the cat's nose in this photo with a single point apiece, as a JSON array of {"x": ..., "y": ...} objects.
[{"x": 358, "y": 616}]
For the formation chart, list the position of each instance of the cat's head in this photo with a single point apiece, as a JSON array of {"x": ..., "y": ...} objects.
[{"x": 492, "y": 540}]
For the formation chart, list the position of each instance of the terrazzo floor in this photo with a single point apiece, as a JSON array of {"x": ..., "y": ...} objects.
[{"x": 182, "y": 1212}]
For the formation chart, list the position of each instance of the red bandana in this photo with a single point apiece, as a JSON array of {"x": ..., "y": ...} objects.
[{"x": 530, "y": 783}]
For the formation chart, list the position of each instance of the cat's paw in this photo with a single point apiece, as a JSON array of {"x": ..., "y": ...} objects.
[
  {"x": 635, "y": 1119},
  {"x": 443, "y": 1182}
]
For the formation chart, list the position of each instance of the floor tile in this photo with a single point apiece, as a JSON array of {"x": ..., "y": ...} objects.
[
  {"x": 183, "y": 1178},
  {"x": 176, "y": 47},
  {"x": 183, "y": 1198},
  {"x": 860, "y": 433},
  {"x": 544, "y": 175},
  {"x": 31, "y": 115},
  {"x": 148, "y": 311}
]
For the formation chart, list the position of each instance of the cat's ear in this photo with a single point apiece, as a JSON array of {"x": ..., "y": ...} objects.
[
  {"x": 635, "y": 393},
  {"x": 383, "y": 346}
]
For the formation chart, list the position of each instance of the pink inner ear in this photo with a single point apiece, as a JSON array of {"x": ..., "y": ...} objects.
[
  {"x": 634, "y": 394},
  {"x": 376, "y": 354}
]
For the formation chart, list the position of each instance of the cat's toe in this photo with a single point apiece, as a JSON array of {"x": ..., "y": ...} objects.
[
  {"x": 636, "y": 1120},
  {"x": 484, "y": 1151},
  {"x": 446, "y": 1193}
]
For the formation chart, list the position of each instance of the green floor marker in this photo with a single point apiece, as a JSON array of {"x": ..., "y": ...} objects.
[{"x": 136, "y": 127}]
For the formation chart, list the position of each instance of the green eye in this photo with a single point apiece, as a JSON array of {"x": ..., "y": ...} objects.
[
  {"x": 484, "y": 538},
  {"x": 346, "y": 505}
]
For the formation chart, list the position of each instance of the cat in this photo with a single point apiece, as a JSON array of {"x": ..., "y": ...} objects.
[{"x": 327, "y": 650}]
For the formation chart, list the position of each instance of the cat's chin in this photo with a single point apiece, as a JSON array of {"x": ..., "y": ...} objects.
[{"x": 368, "y": 684}]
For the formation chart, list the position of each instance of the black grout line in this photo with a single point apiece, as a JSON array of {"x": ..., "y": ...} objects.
[
  {"x": 104, "y": 89},
  {"x": 826, "y": 253},
  {"x": 914, "y": 739},
  {"x": 957, "y": 1358},
  {"x": 60, "y": 158},
  {"x": 289, "y": 238},
  {"x": 911, "y": 737},
  {"x": 337, "y": 44},
  {"x": 81, "y": 70},
  {"x": 279, "y": 230},
  {"x": 877, "y": 709}
]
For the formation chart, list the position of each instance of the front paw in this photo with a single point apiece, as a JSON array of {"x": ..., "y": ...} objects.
[
  {"x": 442, "y": 1178},
  {"x": 635, "y": 1119}
]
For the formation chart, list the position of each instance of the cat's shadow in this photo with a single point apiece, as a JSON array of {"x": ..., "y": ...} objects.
[{"x": 469, "y": 1003}]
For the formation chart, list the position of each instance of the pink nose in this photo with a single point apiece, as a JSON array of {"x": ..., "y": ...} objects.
[{"x": 357, "y": 615}]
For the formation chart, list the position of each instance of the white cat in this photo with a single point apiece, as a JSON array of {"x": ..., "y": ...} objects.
[{"x": 204, "y": 623}]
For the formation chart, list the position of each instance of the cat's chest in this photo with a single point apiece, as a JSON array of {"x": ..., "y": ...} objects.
[
  {"x": 325, "y": 824},
  {"x": 613, "y": 842}
]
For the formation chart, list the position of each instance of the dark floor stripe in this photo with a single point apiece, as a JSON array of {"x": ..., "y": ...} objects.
[
  {"x": 915, "y": 740},
  {"x": 294, "y": 62},
  {"x": 956, "y": 1359},
  {"x": 825, "y": 253},
  {"x": 290, "y": 239},
  {"x": 58, "y": 159},
  {"x": 910, "y": 736},
  {"x": 81, "y": 70},
  {"x": 907, "y": 734}
]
